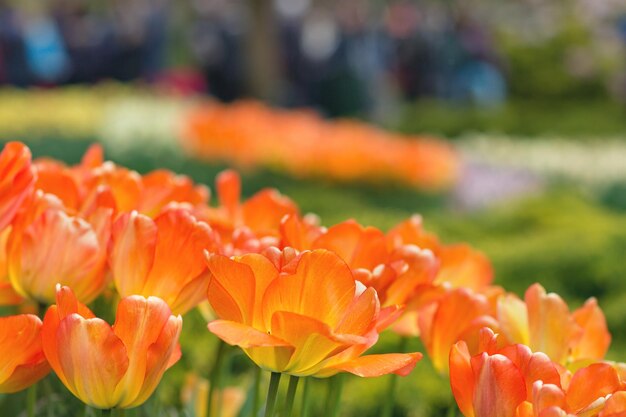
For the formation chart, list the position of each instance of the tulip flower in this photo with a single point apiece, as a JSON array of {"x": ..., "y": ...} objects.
[
  {"x": 162, "y": 257},
  {"x": 458, "y": 314},
  {"x": 461, "y": 266},
  {"x": 49, "y": 246},
  {"x": 161, "y": 187},
  {"x": 261, "y": 213},
  {"x": 96, "y": 183},
  {"x": 401, "y": 276},
  {"x": 22, "y": 362},
  {"x": 301, "y": 315},
  {"x": 587, "y": 393},
  {"x": 108, "y": 367},
  {"x": 497, "y": 380},
  {"x": 17, "y": 180},
  {"x": 544, "y": 323}
]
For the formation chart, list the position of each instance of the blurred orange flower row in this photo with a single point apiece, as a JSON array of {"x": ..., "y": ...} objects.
[{"x": 301, "y": 143}]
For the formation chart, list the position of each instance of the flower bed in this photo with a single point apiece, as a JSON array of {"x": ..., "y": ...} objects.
[{"x": 298, "y": 298}]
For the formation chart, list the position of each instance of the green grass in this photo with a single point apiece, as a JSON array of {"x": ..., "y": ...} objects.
[{"x": 572, "y": 119}]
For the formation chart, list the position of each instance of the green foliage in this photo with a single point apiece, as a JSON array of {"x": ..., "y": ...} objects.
[{"x": 573, "y": 119}]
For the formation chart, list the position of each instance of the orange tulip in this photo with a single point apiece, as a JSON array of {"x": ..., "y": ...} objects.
[
  {"x": 162, "y": 257},
  {"x": 401, "y": 276},
  {"x": 587, "y": 393},
  {"x": 458, "y": 266},
  {"x": 461, "y": 266},
  {"x": 80, "y": 187},
  {"x": 22, "y": 362},
  {"x": 17, "y": 180},
  {"x": 497, "y": 380},
  {"x": 106, "y": 366},
  {"x": 96, "y": 183},
  {"x": 8, "y": 296},
  {"x": 302, "y": 315},
  {"x": 161, "y": 187},
  {"x": 49, "y": 246},
  {"x": 261, "y": 213},
  {"x": 544, "y": 323}
]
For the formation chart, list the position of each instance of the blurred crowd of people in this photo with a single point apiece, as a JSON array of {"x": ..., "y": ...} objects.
[
  {"x": 68, "y": 41},
  {"x": 343, "y": 57}
]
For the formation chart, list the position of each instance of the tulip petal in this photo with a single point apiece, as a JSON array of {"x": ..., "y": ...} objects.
[
  {"x": 297, "y": 233},
  {"x": 79, "y": 262},
  {"x": 322, "y": 287},
  {"x": 360, "y": 315},
  {"x": 139, "y": 324},
  {"x": 513, "y": 318},
  {"x": 360, "y": 247},
  {"x": 595, "y": 339},
  {"x": 312, "y": 339},
  {"x": 376, "y": 365},
  {"x": 459, "y": 312},
  {"x": 263, "y": 211},
  {"x": 533, "y": 366},
  {"x": 17, "y": 180},
  {"x": 464, "y": 267},
  {"x": 24, "y": 376},
  {"x": 178, "y": 255},
  {"x": 267, "y": 351},
  {"x": 21, "y": 357},
  {"x": 132, "y": 252},
  {"x": 615, "y": 406},
  {"x": 92, "y": 358},
  {"x": 500, "y": 387},
  {"x": 547, "y": 395},
  {"x": 228, "y": 185},
  {"x": 462, "y": 378},
  {"x": 590, "y": 383},
  {"x": 242, "y": 335},
  {"x": 549, "y": 322},
  {"x": 231, "y": 289},
  {"x": 422, "y": 268},
  {"x": 162, "y": 354}
]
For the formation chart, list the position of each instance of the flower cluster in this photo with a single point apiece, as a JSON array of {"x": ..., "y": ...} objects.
[
  {"x": 153, "y": 246},
  {"x": 252, "y": 134},
  {"x": 297, "y": 297}
]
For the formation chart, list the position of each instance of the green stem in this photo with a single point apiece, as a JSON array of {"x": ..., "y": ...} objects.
[
  {"x": 256, "y": 396},
  {"x": 214, "y": 379},
  {"x": 41, "y": 309},
  {"x": 31, "y": 400},
  {"x": 390, "y": 397},
  {"x": 333, "y": 400},
  {"x": 271, "y": 394},
  {"x": 105, "y": 413},
  {"x": 49, "y": 393},
  {"x": 306, "y": 390},
  {"x": 291, "y": 394},
  {"x": 452, "y": 408}
]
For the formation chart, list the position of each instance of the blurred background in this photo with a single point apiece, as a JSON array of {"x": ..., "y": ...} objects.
[
  {"x": 530, "y": 94},
  {"x": 347, "y": 57}
]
